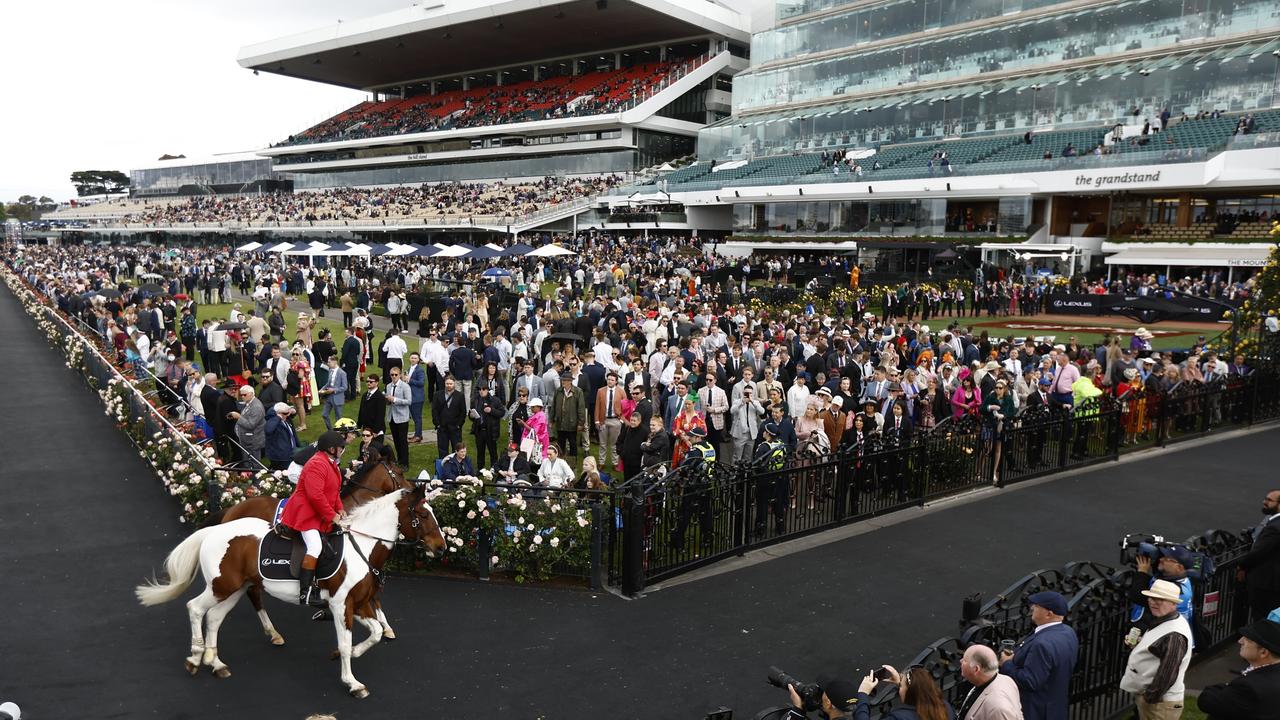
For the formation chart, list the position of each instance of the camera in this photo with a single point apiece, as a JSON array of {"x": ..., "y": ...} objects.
[
  {"x": 810, "y": 693},
  {"x": 1200, "y": 567}
]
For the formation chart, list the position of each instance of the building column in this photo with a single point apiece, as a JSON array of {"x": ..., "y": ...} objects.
[
  {"x": 662, "y": 52},
  {"x": 1184, "y": 210},
  {"x": 617, "y": 61},
  {"x": 435, "y": 88},
  {"x": 537, "y": 73},
  {"x": 466, "y": 83}
]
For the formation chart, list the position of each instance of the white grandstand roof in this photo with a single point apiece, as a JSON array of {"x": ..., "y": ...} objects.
[{"x": 434, "y": 38}]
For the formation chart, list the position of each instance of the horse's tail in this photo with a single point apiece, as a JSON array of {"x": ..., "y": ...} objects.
[{"x": 180, "y": 566}]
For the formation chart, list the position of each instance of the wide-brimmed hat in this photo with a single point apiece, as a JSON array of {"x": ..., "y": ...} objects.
[
  {"x": 1164, "y": 590},
  {"x": 536, "y": 402},
  {"x": 1143, "y": 333}
]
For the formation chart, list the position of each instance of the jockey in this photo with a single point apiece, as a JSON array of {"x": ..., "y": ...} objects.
[
  {"x": 314, "y": 507},
  {"x": 345, "y": 426}
]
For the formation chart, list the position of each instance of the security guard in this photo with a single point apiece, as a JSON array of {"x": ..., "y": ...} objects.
[
  {"x": 773, "y": 487},
  {"x": 697, "y": 471}
]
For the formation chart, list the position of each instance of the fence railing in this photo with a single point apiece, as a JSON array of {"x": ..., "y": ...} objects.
[
  {"x": 1098, "y": 598},
  {"x": 679, "y": 521}
]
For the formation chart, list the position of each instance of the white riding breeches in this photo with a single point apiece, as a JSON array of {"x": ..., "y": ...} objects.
[{"x": 311, "y": 539}]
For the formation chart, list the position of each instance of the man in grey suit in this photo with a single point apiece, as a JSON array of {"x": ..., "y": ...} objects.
[
  {"x": 399, "y": 396},
  {"x": 334, "y": 393},
  {"x": 251, "y": 421},
  {"x": 746, "y": 415},
  {"x": 530, "y": 380}
]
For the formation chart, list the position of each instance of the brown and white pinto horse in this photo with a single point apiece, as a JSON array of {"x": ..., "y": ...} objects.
[
  {"x": 227, "y": 555},
  {"x": 375, "y": 479}
]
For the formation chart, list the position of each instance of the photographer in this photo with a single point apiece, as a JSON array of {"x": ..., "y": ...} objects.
[
  {"x": 836, "y": 698},
  {"x": 1171, "y": 564},
  {"x": 920, "y": 695}
]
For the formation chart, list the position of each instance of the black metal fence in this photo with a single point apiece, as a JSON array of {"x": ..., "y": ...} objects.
[
  {"x": 1099, "y": 608},
  {"x": 678, "y": 521}
]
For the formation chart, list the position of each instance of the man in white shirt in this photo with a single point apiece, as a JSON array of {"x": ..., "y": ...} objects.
[{"x": 395, "y": 349}]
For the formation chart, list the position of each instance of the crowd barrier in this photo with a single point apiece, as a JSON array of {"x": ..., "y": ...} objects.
[{"x": 1097, "y": 598}]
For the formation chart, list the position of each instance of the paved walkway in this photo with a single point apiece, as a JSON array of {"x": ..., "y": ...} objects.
[{"x": 84, "y": 521}]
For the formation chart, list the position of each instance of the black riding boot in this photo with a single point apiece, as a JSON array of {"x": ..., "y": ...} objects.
[{"x": 308, "y": 593}]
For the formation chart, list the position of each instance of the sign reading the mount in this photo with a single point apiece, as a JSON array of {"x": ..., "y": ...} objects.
[{"x": 1116, "y": 179}]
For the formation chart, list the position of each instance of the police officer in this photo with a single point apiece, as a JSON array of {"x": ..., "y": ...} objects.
[
  {"x": 697, "y": 471},
  {"x": 772, "y": 486}
]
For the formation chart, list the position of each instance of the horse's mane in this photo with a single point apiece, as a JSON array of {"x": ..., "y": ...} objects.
[{"x": 376, "y": 505}]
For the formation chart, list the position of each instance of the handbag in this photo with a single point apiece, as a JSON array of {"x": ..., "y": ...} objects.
[{"x": 531, "y": 447}]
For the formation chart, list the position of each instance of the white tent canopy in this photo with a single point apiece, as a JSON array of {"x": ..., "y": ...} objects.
[
  {"x": 398, "y": 249},
  {"x": 451, "y": 251},
  {"x": 249, "y": 247},
  {"x": 278, "y": 247},
  {"x": 551, "y": 250}
]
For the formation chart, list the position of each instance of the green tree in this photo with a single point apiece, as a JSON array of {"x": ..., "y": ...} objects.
[
  {"x": 99, "y": 182},
  {"x": 4, "y": 213},
  {"x": 1264, "y": 298}
]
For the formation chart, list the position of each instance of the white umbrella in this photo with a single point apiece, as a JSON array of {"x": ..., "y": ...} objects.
[
  {"x": 551, "y": 250},
  {"x": 249, "y": 247},
  {"x": 357, "y": 249},
  {"x": 279, "y": 247},
  {"x": 494, "y": 247},
  {"x": 397, "y": 249},
  {"x": 452, "y": 251}
]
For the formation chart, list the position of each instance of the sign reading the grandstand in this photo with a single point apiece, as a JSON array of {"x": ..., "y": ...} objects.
[{"x": 1103, "y": 181}]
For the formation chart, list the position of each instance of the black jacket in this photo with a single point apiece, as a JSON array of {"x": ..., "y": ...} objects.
[
  {"x": 656, "y": 449},
  {"x": 450, "y": 413},
  {"x": 373, "y": 410},
  {"x": 1262, "y": 567},
  {"x": 270, "y": 394},
  {"x": 1255, "y": 696}
]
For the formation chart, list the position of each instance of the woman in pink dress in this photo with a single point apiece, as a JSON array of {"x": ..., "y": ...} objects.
[{"x": 535, "y": 426}]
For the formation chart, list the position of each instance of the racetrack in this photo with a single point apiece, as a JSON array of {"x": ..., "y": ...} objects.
[{"x": 84, "y": 521}]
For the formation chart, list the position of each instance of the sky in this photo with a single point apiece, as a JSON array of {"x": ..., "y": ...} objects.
[{"x": 115, "y": 85}]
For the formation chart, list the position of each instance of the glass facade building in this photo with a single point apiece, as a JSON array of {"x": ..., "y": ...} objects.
[
  {"x": 870, "y": 73},
  {"x": 223, "y": 177}
]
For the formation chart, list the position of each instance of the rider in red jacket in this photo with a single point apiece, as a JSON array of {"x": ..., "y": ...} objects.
[{"x": 314, "y": 507}]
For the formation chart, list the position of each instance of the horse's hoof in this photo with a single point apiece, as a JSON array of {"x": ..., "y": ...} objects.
[
  {"x": 191, "y": 667},
  {"x": 388, "y": 634},
  {"x": 222, "y": 673},
  {"x": 360, "y": 693},
  {"x": 277, "y": 639}
]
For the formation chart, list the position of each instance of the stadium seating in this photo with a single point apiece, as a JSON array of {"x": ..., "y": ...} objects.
[{"x": 588, "y": 94}]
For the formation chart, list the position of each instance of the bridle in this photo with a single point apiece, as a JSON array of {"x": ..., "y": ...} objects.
[{"x": 416, "y": 522}]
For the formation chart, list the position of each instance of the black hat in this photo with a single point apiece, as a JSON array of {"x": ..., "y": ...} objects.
[
  {"x": 698, "y": 431},
  {"x": 1266, "y": 633},
  {"x": 330, "y": 439},
  {"x": 843, "y": 694},
  {"x": 771, "y": 428},
  {"x": 1049, "y": 600}
]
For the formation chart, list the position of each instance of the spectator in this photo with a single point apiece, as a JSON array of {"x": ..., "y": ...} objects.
[
  {"x": 448, "y": 411},
  {"x": 993, "y": 696},
  {"x": 921, "y": 699},
  {"x": 1159, "y": 660},
  {"x": 1259, "y": 568},
  {"x": 1255, "y": 695},
  {"x": 281, "y": 440},
  {"x": 554, "y": 472},
  {"x": 456, "y": 465},
  {"x": 1043, "y": 662}
]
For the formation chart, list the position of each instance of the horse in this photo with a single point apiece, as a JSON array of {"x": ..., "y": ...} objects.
[
  {"x": 375, "y": 478},
  {"x": 227, "y": 555}
]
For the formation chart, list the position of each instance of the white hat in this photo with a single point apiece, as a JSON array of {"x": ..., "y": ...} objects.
[
  {"x": 282, "y": 408},
  {"x": 924, "y": 329},
  {"x": 837, "y": 401},
  {"x": 536, "y": 402},
  {"x": 1164, "y": 590}
]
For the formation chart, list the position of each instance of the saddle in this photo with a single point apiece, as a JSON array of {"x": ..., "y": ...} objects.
[{"x": 281, "y": 550}]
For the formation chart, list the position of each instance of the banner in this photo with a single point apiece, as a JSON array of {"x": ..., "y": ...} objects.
[{"x": 1144, "y": 308}]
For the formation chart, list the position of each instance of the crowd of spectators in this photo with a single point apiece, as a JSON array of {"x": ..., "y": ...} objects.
[
  {"x": 669, "y": 359},
  {"x": 563, "y": 96},
  {"x": 445, "y": 200}
]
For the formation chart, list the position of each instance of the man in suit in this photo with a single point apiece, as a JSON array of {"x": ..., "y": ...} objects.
[
  {"x": 278, "y": 366},
  {"x": 373, "y": 407},
  {"x": 1260, "y": 567},
  {"x": 568, "y": 415},
  {"x": 644, "y": 406},
  {"x": 746, "y": 417},
  {"x": 1256, "y": 693},
  {"x": 351, "y": 350},
  {"x": 531, "y": 382},
  {"x": 676, "y": 402},
  {"x": 416, "y": 376},
  {"x": 251, "y": 420},
  {"x": 608, "y": 417},
  {"x": 399, "y": 396},
  {"x": 877, "y": 388},
  {"x": 449, "y": 411},
  {"x": 513, "y": 467},
  {"x": 334, "y": 393},
  {"x": 1038, "y": 403},
  {"x": 993, "y": 696},
  {"x": 270, "y": 391},
  {"x": 1043, "y": 663}
]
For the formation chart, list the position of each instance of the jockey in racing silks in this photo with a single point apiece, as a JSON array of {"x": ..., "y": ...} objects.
[{"x": 314, "y": 507}]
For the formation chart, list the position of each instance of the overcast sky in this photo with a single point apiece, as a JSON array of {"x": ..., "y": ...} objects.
[{"x": 115, "y": 85}]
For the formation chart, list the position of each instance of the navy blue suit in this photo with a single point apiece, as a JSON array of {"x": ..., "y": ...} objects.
[{"x": 1042, "y": 668}]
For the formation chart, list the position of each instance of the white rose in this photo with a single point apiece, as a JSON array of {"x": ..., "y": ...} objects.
[
  {"x": 493, "y": 560},
  {"x": 582, "y": 521},
  {"x": 529, "y": 527},
  {"x": 537, "y": 539},
  {"x": 471, "y": 514},
  {"x": 480, "y": 505},
  {"x": 555, "y": 542}
]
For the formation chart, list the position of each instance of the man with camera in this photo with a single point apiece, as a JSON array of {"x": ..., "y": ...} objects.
[
  {"x": 1158, "y": 663},
  {"x": 1172, "y": 563},
  {"x": 832, "y": 697}
]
